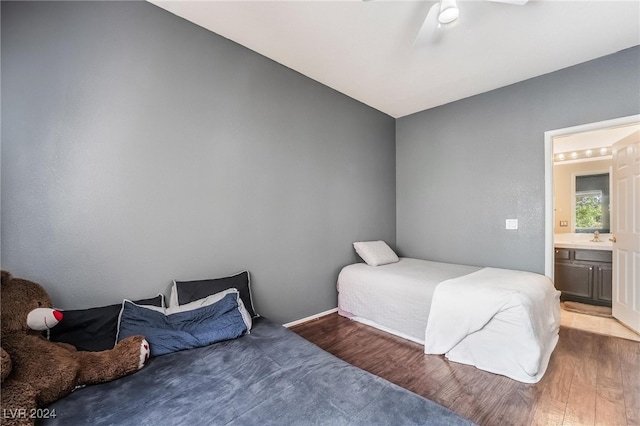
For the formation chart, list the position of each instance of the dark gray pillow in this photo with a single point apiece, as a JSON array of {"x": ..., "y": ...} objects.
[
  {"x": 93, "y": 329},
  {"x": 189, "y": 291}
]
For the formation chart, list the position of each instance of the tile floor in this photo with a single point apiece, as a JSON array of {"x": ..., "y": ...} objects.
[{"x": 600, "y": 325}]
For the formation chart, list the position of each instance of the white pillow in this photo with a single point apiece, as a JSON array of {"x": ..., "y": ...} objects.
[
  {"x": 375, "y": 253},
  {"x": 173, "y": 297}
]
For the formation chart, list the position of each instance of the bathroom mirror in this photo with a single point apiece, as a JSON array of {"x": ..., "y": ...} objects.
[
  {"x": 581, "y": 195},
  {"x": 591, "y": 205}
]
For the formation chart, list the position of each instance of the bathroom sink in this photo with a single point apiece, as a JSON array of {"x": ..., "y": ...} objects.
[{"x": 582, "y": 241}]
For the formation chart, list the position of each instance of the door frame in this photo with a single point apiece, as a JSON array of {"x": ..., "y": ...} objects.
[{"x": 549, "y": 215}]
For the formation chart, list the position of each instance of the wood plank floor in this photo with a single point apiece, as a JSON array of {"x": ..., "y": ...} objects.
[{"x": 591, "y": 379}]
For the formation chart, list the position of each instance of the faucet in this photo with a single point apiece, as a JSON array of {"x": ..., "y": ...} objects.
[{"x": 596, "y": 237}]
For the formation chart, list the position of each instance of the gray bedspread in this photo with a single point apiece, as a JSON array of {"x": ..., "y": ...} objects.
[{"x": 269, "y": 377}]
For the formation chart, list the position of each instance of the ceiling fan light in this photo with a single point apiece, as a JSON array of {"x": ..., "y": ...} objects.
[{"x": 448, "y": 11}]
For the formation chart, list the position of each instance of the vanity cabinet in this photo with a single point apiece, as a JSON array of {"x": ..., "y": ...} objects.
[{"x": 584, "y": 275}]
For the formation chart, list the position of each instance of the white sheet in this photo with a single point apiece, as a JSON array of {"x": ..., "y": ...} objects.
[
  {"x": 511, "y": 320},
  {"x": 516, "y": 340},
  {"x": 396, "y": 297}
]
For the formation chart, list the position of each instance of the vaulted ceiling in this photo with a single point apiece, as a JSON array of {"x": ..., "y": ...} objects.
[{"x": 372, "y": 50}]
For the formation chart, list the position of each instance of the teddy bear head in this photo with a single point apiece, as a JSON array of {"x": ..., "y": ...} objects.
[{"x": 25, "y": 307}]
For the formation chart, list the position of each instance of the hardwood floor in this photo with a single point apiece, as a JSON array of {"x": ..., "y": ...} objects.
[{"x": 591, "y": 379}]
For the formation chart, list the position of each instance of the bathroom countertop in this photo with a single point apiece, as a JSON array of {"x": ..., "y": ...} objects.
[
  {"x": 582, "y": 241},
  {"x": 605, "y": 245}
]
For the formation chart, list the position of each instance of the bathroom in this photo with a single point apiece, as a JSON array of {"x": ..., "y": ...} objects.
[
  {"x": 593, "y": 234},
  {"x": 585, "y": 249}
]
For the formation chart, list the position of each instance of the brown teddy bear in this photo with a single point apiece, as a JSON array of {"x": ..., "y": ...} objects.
[{"x": 37, "y": 372}]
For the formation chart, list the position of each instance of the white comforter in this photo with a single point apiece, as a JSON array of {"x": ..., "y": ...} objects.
[{"x": 526, "y": 306}]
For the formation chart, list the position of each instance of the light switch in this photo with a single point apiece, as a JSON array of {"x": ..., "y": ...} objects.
[{"x": 511, "y": 224}]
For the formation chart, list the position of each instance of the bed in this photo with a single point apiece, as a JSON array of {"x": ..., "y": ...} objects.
[
  {"x": 267, "y": 376},
  {"x": 499, "y": 320}
]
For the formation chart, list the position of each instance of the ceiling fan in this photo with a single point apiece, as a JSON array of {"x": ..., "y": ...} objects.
[{"x": 444, "y": 14}]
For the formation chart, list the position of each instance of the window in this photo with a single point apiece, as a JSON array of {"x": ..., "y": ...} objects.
[
  {"x": 589, "y": 209},
  {"x": 592, "y": 203}
]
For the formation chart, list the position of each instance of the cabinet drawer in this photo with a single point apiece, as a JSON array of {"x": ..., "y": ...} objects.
[
  {"x": 593, "y": 255},
  {"x": 562, "y": 254}
]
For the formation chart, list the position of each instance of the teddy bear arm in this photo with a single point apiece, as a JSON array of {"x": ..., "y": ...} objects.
[
  {"x": 127, "y": 357},
  {"x": 66, "y": 346}
]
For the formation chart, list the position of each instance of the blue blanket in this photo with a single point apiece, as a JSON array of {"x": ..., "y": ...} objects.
[
  {"x": 269, "y": 377},
  {"x": 182, "y": 330}
]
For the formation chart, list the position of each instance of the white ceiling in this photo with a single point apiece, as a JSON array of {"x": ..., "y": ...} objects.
[
  {"x": 593, "y": 139},
  {"x": 368, "y": 51}
]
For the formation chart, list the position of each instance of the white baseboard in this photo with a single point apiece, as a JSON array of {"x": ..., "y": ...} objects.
[{"x": 310, "y": 318}]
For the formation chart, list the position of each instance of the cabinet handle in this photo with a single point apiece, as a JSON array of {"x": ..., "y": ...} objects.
[{"x": 591, "y": 268}]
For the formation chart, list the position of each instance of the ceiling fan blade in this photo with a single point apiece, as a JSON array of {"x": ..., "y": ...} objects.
[
  {"x": 516, "y": 2},
  {"x": 431, "y": 29}
]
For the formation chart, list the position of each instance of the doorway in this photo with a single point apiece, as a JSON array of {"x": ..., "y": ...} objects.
[{"x": 615, "y": 130}]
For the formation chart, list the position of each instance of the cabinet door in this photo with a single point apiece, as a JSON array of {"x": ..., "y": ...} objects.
[
  {"x": 603, "y": 280},
  {"x": 574, "y": 280}
]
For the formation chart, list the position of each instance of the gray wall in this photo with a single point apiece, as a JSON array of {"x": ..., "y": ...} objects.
[
  {"x": 138, "y": 148},
  {"x": 465, "y": 167}
]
